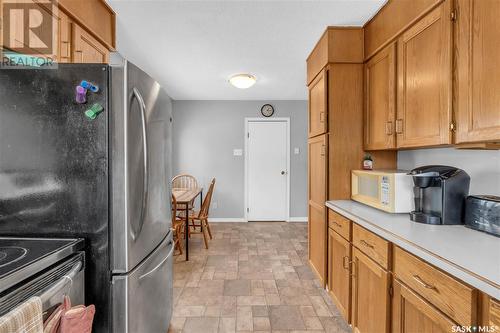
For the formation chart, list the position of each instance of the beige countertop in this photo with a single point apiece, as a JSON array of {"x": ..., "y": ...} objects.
[{"x": 470, "y": 255}]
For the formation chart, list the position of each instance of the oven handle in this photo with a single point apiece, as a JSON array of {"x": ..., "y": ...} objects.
[{"x": 53, "y": 294}]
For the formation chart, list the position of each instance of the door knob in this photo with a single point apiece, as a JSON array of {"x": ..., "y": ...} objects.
[{"x": 283, "y": 172}]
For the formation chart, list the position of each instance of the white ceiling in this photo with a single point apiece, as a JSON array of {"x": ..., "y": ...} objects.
[{"x": 192, "y": 47}]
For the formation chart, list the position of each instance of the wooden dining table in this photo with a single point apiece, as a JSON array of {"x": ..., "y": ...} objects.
[{"x": 185, "y": 196}]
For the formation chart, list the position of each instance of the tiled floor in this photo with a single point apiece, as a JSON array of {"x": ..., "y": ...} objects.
[{"x": 254, "y": 277}]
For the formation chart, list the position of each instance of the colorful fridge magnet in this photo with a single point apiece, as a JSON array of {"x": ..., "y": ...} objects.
[
  {"x": 88, "y": 85},
  {"x": 81, "y": 95},
  {"x": 94, "y": 111}
]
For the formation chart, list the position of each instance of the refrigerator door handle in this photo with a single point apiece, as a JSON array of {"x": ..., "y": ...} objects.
[
  {"x": 136, "y": 94},
  {"x": 161, "y": 263}
]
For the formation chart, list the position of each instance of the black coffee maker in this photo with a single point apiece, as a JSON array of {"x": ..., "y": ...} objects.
[{"x": 440, "y": 193}]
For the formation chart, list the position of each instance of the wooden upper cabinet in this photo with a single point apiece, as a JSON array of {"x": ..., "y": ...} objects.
[
  {"x": 380, "y": 100},
  {"x": 65, "y": 37},
  {"x": 318, "y": 105},
  {"x": 96, "y": 16},
  {"x": 86, "y": 49},
  {"x": 425, "y": 81},
  {"x": 478, "y": 71},
  {"x": 336, "y": 45},
  {"x": 370, "y": 295},
  {"x": 317, "y": 151},
  {"x": 411, "y": 313},
  {"x": 339, "y": 283}
]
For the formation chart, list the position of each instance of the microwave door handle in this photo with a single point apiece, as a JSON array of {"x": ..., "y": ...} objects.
[{"x": 136, "y": 94}]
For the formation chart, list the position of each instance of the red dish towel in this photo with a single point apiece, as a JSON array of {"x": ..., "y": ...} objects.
[{"x": 67, "y": 319}]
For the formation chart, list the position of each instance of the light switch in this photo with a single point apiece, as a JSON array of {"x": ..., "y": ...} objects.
[
  {"x": 296, "y": 150},
  {"x": 237, "y": 152}
]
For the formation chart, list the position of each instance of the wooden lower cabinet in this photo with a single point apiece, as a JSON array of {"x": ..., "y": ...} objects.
[
  {"x": 412, "y": 314},
  {"x": 370, "y": 295},
  {"x": 339, "y": 281},
  {"x": 317, "y": 241},
  {"x": 318, "y": 147}
]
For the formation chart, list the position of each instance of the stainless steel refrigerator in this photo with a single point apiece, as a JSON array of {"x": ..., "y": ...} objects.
[{"x": 64, "y": 174}]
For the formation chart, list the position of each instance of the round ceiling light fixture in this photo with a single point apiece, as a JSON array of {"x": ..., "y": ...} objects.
[{"x": 242, "y": 81}]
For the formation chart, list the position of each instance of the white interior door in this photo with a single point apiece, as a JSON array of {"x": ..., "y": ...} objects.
[{"x": 267, "y": 170}]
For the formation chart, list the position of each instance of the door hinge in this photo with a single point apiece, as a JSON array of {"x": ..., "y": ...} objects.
[
  {"x": 453, "y": 15},
  {"x": 248, "y": 135},
  {"x": 391, "y": 291},
  {"x": 248, "y": 210},
  {"x": 453, "y": 127}
]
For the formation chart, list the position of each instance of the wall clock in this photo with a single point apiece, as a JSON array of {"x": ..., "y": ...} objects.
[{"x": 267, "y": 110}]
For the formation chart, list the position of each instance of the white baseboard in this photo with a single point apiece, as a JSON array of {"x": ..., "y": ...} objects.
[
  {"x": 298, "y": 219},
  {"x": 226, "y": 219}
]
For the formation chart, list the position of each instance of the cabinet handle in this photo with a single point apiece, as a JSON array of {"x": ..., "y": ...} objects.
[
  {"x": 423, "y": 283},
  {"x": 365, "y": 243},
  {"x": 399, "y": 126},
  {"x": 353, "y": 269},
  {"x": 495, "y": 305},
  {"x": 323, "y": 150},
  {"x": 321, "y": 117},
  {"x": 346, "y": 262},
  {"x": 337, "y": 224},
  {"x": 388, "y": 128}
]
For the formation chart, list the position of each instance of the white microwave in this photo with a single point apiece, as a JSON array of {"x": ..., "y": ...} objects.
[{"x": 387, "y": 190}]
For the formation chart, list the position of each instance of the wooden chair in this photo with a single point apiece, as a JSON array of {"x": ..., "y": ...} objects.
[
  {"x": 202, "y": 215},
  {"x": 187, "y": 182},
  {"x": 177, "y": 226}
]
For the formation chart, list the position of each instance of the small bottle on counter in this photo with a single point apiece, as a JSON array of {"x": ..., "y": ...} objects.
[{"x": 368, "y": 162}]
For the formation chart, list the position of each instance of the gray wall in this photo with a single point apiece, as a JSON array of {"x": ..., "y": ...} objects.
[
  {"x": 483, "y": 166},
  {"x": 205, "y": 134}
]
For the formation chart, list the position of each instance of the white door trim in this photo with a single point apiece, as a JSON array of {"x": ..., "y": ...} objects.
[{"x": 287, "y": 121}]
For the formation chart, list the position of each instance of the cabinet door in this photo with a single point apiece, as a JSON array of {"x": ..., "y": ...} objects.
[
  {"x": 317, "y": 211},
  {"x": 86, "y": 48},
  {"x": 370, "y": 295},
  {"x": 380, "y": 100},
  {"x": 318, "y": 105},
  {"x": 339, "y": 283},
  {"x": 412, "y": 314},
  {"x": 478, "y": 71},
  {"x": 64, "y": 25},
  {"x": 425, "y": 81}
]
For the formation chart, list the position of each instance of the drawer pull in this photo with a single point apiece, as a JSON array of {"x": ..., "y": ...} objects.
[
  {"x": 423, "y": 283},
  {"x": 365, "y": 243},
  {"x": 495, "y": 305},
  {"x": 337, "y": 224}
]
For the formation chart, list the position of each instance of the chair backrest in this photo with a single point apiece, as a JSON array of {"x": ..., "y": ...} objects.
[
  {"x": 184, "y": 181},
  {"x": 205, "y": 207}
]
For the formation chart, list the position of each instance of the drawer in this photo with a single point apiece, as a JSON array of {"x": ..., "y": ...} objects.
[
  {"x": 451, "y": 296},
  {"x": 375, "y": 247},
  {"x": 340, "y": 224}
]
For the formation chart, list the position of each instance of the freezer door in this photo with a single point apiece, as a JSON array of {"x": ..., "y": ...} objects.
[
  {"x": 142, "y": 299},
  {"x": 140, "y": 166}
]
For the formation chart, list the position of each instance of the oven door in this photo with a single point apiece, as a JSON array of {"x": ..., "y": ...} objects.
[{"x": 143, "y": 298}]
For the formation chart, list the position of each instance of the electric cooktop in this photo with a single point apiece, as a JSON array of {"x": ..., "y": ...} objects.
[{"x": 21, "y": 258}]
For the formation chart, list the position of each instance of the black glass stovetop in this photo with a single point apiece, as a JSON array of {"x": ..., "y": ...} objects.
[{"x": 33, "y": 254}]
